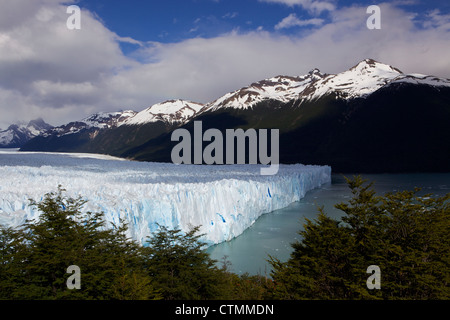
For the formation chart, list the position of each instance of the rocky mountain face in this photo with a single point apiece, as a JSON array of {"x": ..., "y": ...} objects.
[
  {"x": 95, "y": 123},
  {"x": 370, "y": 118},
  {"x": 17, "y": 135}
]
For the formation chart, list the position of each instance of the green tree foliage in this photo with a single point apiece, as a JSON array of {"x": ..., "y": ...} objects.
[
  {"x": 405, "y": 234},
  {"x": 35, "y": 257},
  {"x": 180, "y": 266},
  {"x": 245, "y": 286}
]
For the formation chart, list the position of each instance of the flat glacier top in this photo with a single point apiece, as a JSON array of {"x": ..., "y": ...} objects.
[
  {"x": 119, "y": 169},
  {"x": 224, "y": 200}
]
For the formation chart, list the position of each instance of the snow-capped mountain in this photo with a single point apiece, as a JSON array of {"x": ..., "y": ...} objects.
[
  {"x": 18, "y": 134},
  {"x": 280, "y": 88},
  {"x": 96, "y": 133},
  {"x": 361, "y": 119},
  {"x": 364, "y": 79},
  {"x": 170, "y": 111},
  {"x": 359, "y": 81},
  {"x": 107, "y": 120},
  {"x": 101, "y": 120}
]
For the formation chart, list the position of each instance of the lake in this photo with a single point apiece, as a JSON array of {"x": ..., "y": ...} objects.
[{"x": 274, "y": 232}]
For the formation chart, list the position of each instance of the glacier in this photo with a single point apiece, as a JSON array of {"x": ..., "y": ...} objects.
[{"x": 224, "y": 200}]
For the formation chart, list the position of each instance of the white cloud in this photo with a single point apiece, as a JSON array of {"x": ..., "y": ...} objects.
[
  {"x": 230, "y": 15},
  {"x": 437, "y": 20},
  {"x": 313, "y": 6},
  {"x": 47, "y": 70},
  {"x": 45, "y": 64},
  {"x": 195, "y": 29},
  {"x": 128, "y": 40},
  {"x": 203, "y": 69},
  {"x": 292, "y": 21}
]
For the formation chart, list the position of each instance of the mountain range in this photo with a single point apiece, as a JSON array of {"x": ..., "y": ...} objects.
[
  {"x": 370, "y": 118},
  {"x": 16, "y": 135}
]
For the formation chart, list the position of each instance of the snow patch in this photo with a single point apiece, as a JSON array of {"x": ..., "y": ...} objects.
[{"x": 169, "y": 111}]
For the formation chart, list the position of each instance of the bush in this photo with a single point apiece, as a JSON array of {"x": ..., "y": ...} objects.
[
  {"x": 180, "y": 266},
  {"x": 406, "y": 235},
  {"x": 34, "y": 257}
]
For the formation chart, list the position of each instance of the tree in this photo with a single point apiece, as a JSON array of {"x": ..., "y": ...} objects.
[
  {"x": 244, "y": 286},
  {"x": 180, "y": 266},
  {"x": 405, "y": 234},
  {"x": 12, "y": 248},
  {"x": 320, "y": 266},
  {"x": 35, "y": 256}
]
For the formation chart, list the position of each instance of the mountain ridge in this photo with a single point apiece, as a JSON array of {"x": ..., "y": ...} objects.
[
  {"x": 316, "y": 106},
  {"x": 283, "y": 88},
  {"x": 18, "y": 134}
]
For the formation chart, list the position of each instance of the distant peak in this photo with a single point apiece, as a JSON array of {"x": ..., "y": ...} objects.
[
  {"x": 373, "y": 64},
  {"x": 171, "y": 101},
  {"x": 315, "y": 71},
  {"x": 36, "y": 122},
  {"x": 370, "y": 61},
  {"x": 39, "y": 123},
  {"x": 315, "y": 74},
  {"x": 366, "y": 63},
  {"x": 173, "y": 106}
]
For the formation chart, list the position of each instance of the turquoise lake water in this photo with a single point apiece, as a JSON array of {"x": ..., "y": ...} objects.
[{"x": 274, "y": 232}]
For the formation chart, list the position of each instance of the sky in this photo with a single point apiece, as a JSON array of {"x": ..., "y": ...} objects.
[{"x": 132, "y": 54}]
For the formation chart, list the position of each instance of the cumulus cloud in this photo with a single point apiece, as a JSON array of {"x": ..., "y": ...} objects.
[
  {"x": 45, "y": 65},
  {"x": 203, "y": 69},
  {"x": 47, "y": 70}
]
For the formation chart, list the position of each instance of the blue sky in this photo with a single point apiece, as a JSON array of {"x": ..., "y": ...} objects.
[
  {"x": 172, "y": 20},
  {"x": 135, "y": 53},
  {"x": 176, "y": 20}
]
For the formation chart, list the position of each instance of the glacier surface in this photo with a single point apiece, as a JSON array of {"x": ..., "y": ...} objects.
[{"x": 224, "y": 200}]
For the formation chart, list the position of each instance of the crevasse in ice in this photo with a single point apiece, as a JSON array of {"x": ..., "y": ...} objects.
[{"x": 224, "y": 200}]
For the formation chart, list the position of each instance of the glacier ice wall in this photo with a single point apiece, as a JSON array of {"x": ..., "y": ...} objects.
[{"x": 224, "y": 200}]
